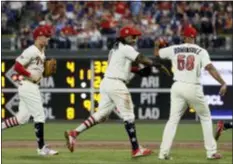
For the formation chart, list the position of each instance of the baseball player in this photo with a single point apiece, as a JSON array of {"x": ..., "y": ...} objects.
[
  {"x": 187, "y": 60},
  {"x": 222, "y": 126},
  {"x": 114, "y": 92},
  {"x": 30, "y": 65}
]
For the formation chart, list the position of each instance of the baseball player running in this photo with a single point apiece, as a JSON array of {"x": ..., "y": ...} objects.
[
  {"x": 114, "y": 92},
  {"x": 30, "y": 64},
  {"x": 222, "y": 126},
  {"x": 188, "y": 59}
]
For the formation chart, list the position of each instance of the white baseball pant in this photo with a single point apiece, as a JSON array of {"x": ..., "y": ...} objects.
[
  {"x": 182, "y": 96},
  {"x": 115, "y": 94},
  {"x": 30, "y": 103}
]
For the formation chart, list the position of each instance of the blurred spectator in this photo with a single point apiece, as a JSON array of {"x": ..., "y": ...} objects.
[
  {"x": 96, "y": 23},
  {"x": 83, "y": 38},
  {"x": 44, "y": 7},
  {"x": 25, "y": 37},
  {"x": 228, "y": 23},
  {"x": 119, "y": 10},
  {"x": 63, "y": 42},
  {"x": 56, "y": 11},
  {"x": 95, "y": 38},
  {"x": 135, "y": 8},
  {"x": 70, "y": 10},
  {"x": 108, "y": 23},
  {"x": 16, "y": 7},
  {"x": 4, "y": 23}
]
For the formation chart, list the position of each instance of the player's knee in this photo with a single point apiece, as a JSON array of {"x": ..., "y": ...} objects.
[
  {"x": 39, "y": 116},
  {"x": 205, "y": 116},
  {"x": 174, "y": 120},
  {"x": 99, "y": 116},
  {"x": 129, "y": 117},
  {"x": 22, "y": 119},
  {"x": 102, "y": 115},
  {"x": 40, "y": 119}
]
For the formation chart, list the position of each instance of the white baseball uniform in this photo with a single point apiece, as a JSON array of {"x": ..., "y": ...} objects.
[
  {"x": 113, "y": 89},
  {"x": 187, "y": 61},
  {"x": 29, "y": 94}
]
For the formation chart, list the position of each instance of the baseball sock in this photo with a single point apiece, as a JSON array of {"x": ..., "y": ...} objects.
[
  {"x": 88, "y": 123},
  {"x": 228, "y": 125},
  {"x": 10, "y": 122},
  {"x": 131, "y": 130},
  {"x": 39, "y": 130}
]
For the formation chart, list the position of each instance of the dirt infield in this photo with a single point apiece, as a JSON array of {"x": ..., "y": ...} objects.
[{"x": 227, "y": 146}]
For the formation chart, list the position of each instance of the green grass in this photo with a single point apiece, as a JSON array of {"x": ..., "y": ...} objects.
[
  {"x": 85, "y": 156},
  {"x": 111, "y": 132}
]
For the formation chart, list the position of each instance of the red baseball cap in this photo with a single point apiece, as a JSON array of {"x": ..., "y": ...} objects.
[
  {"x": 50, "y": 28},
  {"x": 41, "y": 31},
  {"x": 190, "y": 31},
  {"x": 129, "y": 31}
]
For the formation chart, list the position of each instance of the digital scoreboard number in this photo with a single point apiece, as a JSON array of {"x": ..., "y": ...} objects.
[
  {"x": 67, "y": 106},
  {"x": 59, "y": 92},
  {"x": 99, "y": 70},
  {"x": 70, "y": 74}
]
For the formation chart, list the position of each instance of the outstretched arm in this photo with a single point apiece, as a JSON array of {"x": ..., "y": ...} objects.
[
  {"x": 214, "y": 73},
  {"x": 144, "y": 60},
  {"x": 156, "y": 62},
  {"x": 158, "y": 44}
]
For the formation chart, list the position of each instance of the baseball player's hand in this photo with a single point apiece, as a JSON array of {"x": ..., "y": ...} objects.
[
  {"x": 161, "y": 43},
  {"x": 223, "y": 90}
]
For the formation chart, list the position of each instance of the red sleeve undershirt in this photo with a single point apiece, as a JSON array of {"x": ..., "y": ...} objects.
[
  {"x": 21, "y": 70},
  {"x": 134, "y": 69}
]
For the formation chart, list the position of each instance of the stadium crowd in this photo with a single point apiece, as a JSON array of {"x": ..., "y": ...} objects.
[{"x": 93, "y": 24}]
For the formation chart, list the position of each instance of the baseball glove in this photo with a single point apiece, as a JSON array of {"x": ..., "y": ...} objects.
[
  {"x": 144, "y": 72},
  {"x": 160, "y": 65},
  {"x": 50, "y": 67},
  {"x": 165, "y": 70}
]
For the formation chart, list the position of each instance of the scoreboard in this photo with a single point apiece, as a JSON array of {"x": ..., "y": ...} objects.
[{"x": 73, "y": 92}]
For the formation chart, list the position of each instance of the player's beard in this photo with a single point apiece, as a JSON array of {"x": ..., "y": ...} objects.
[{"x": 132, "y": 40}]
